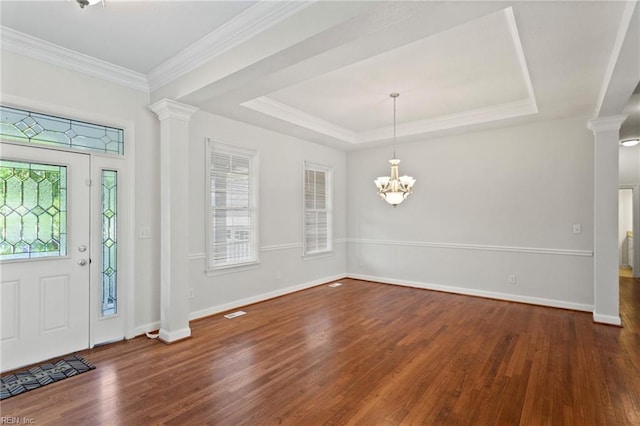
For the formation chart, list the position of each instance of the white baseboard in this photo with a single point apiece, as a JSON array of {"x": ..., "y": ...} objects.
[
  {"x": 606, "y": 319},
  {"x": 145, "y": 328},
  {"x": 260, "y": 297},
  {"x": 481, "y": 293},
  {"x": 174, "y": 336}
]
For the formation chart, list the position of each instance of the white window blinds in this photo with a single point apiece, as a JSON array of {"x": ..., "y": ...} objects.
[
  {"x": 233, "y": 233},
  {"x": 317, "y": 209}
]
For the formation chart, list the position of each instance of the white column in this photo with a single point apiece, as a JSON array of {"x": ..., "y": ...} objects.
[
  {"x": 174, "y": 218},
  {"x": 605, "y": 263}
]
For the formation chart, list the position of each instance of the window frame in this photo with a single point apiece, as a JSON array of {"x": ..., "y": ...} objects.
[
  {"x": 116, "y": 234},
  {"x": 62, "y": 213},
  {"x": 308, "y": 165},
  {"x": 213, "y": 146}
]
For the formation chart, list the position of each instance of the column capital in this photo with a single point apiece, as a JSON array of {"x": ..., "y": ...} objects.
[
  {"x": 166, "y": 108},
  {"x": 604, "y": 124}
]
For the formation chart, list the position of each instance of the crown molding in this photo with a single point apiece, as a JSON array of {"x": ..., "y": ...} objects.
[
  {"x": 450, "y": 121},
  {"x": 273, "y": 108},
  {"x": 254, "y": 20},
  {"x": 243, "y": 27},
  {"x": 23, "y": 44},
  {"x": 268, "y": 106}
]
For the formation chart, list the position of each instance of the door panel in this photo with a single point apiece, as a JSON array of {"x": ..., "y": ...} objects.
[{"x": 44, "y": 278}]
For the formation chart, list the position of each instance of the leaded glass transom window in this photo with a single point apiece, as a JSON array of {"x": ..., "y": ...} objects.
[
  {"x": 18, "y": 125},
  {"x": 33, "y": 210},
  {"x": 109, "y": 242}
]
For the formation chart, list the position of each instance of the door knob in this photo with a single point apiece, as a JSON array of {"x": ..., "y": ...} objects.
[{"x": 82, "y": 262}]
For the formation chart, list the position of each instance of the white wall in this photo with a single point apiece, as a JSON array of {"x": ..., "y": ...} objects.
[
  {"x": 42, "y": 87},
  {"x": 486, "y": 205},
  {"x": 282, "y": 267},
  {"x": 629, "y": 172}
]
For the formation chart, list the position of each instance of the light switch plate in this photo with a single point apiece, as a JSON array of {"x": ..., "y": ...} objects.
[{"x": 144, "y": 233}]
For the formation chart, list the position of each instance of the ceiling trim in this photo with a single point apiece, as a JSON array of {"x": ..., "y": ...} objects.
[
  {"x": 248, "y": 24},
  {"x": 268, "y": 106},
  {"x": 273, "y": 108},
  {"x": 625, "y": 23},
  {"x": 517, "y": 108},
  {"x": 450, "y": 121},
  {"x": 517, "y": 45},
  {"x": 23, "y": 44}
]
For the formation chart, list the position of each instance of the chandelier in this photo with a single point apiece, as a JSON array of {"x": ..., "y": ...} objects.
[
  {"x": 394, "y": 189},
  {"x": 84, "y": 3}
]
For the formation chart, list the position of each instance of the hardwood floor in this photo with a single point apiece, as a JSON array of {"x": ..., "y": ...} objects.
[
  {"x": 364, "y": 354},
  {"x": 625, "y": 272}
]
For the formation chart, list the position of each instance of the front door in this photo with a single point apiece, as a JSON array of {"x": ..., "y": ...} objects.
[{"x": 44, "y": 254}]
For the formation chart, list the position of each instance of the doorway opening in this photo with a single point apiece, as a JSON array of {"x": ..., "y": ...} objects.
[{"x": 626, "y": 262}]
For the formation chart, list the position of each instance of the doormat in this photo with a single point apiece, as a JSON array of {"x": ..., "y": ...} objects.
[{"x": 36, "y": 377}]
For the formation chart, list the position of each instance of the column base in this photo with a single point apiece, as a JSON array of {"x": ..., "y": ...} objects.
[
  {"x": 174, "y": 336},
  {"x": 607, "y": 319}
]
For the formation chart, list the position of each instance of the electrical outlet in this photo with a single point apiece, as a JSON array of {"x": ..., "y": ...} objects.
[
  {"x": 512, "y": 279},
  {"x": 191, "y": 293},
  {"x": 577, "y": 228}
]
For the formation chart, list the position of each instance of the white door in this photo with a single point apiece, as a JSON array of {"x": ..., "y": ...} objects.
[{"x": 44, "y": 254}]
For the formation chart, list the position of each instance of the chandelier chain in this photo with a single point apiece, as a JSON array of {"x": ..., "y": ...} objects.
[
  {"x": 394, "y": 126},
  {"x": 394, "y": 96}
]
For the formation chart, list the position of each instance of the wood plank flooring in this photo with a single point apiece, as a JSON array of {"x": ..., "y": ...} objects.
[
  {"x": 625, "y": 272},
  {"x": 364, "y": 354}
]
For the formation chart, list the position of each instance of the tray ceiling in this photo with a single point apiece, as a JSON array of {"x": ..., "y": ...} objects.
[{"x": 323, "y": 70}]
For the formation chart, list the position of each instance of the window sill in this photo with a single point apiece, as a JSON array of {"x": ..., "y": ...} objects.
[
  {"x": 319, "y": 255},
  {"x": 232, "y": 268}
]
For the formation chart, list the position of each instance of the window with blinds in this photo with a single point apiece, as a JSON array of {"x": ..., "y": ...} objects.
[
  {"x": 317, "y": 209},
  {"x": 232, "y": 206}
]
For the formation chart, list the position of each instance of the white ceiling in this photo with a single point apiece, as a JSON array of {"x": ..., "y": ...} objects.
[
  {"x": 323, "y": 70},
  {"x": 138, "y": 35}
]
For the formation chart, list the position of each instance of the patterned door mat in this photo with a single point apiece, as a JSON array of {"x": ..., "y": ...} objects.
[{"x": 33, "y": 378}]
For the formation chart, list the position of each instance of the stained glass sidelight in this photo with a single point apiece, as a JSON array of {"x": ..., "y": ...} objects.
[
  {"x": 109, "y": 242},
  {"x": 33, "y": 210},
  {"x": 26, "y": 126}
]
